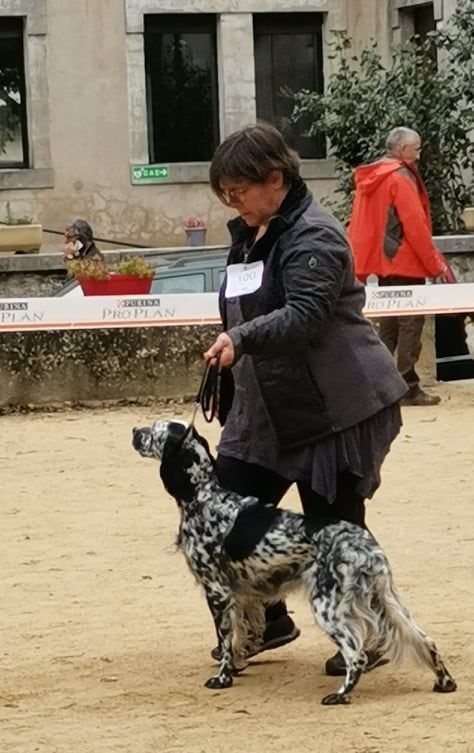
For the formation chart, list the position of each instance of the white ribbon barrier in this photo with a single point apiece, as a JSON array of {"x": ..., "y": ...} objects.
[
  {"x": 30, "y": 314},
  {"x": 446, "y": 298}
]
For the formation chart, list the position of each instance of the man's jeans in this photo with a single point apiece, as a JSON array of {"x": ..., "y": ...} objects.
[{"x": 403, "y": 333}]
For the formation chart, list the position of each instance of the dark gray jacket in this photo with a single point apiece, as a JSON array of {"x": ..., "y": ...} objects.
[{"x": 319, "y": 364}]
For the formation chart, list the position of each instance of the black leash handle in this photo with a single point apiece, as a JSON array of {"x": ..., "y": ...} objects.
[{"x": 208, "y": 395}]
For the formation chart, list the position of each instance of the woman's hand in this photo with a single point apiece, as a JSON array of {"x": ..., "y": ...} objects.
[{"x": 224, "y": 347}]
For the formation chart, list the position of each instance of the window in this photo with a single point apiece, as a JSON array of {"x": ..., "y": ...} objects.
[
  {"x": 423, "y": 19},
  {"x": 423, "y": 22},
  {"x": 180, "y": 283},
  {"x": 288, "y": 54},
  {"x": 13, "y": 133},
  {"x": 181, "y": 78}
]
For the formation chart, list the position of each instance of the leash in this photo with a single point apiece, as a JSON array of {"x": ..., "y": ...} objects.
[{"x": 207, "y": 397}]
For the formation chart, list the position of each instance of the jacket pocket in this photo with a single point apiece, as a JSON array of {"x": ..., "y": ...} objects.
[{"x": 293, "y": 401}]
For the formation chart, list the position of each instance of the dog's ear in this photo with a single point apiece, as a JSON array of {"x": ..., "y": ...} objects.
[
  {"x": 174, "y": 436},
  {"x": 175, "y": 463}
]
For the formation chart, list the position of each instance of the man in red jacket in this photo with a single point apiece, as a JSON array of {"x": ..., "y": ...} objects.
[{"x": 390, "y": 234}]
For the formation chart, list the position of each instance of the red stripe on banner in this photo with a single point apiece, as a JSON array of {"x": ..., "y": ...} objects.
[
  {"x": 108, "y": 325},
  {"x": 415, "y": 312}
]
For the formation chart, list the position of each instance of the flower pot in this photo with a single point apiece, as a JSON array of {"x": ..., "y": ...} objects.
[
  {"x": 196, "y": 235},
  {"x": 468, "y": 216},
  {"x": 21, "y": 239},
  {"x": 116, "y": 284}
]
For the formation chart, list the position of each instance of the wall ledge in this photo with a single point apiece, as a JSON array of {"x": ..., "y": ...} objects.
[{"x": 38, "y": 177}]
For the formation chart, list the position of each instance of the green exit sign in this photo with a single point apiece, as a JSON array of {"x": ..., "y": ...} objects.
[{"x": 146, "y": 173}]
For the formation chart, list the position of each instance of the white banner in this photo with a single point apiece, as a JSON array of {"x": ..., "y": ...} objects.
[
  {"x": 447, "y": 298},
  {"x": 29, "y": 314},
  {"x": 91, "y": 312}
]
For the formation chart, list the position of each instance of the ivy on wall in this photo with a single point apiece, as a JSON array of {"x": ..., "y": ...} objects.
[{"x": 103, "y": 364}]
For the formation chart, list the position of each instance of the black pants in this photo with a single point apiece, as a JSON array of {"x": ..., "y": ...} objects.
[
  {"x": 269, "y": 487},
  {"x": 403, "y": 334}
]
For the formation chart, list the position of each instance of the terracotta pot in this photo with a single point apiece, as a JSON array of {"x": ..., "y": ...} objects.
[{"x": 116, "y": 285}]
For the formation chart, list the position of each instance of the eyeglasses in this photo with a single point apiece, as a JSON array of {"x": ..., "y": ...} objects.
[{"x": 234, "y": 195}]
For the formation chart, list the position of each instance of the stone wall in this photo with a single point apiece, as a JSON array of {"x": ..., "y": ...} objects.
[
  {"x": 109, "y": 364},
  {"x": 83, "y": 146}
]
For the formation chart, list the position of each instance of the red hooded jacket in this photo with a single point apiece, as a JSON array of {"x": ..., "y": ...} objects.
[{"x": 390, "y": 227}]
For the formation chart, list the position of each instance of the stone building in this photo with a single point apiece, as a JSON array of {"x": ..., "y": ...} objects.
[{"x": 114, "y": 106}]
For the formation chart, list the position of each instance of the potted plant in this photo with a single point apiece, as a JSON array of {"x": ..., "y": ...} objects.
[
  {"x": 131, "y": 275},
  {"x": 195, "y": 229}
]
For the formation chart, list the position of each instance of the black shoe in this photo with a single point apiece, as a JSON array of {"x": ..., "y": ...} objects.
[
  {"x": 336, "y": 666},
  {"x": 277, "y": 633}
]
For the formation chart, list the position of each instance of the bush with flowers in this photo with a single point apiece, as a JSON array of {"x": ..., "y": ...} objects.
[
  {"x": 98, "y": 269},
  {"x": 194, "y": 222}
]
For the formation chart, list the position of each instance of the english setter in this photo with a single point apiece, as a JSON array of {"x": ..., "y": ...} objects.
[{"x": 246, "y": 554}]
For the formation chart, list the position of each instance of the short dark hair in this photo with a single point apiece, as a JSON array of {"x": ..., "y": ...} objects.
[
  {"x": 82, "y": 229},
  {"x": 251, "y": 154}
]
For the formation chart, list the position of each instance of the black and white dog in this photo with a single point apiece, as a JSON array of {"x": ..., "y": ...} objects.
[{"x": 246, "y": 554}]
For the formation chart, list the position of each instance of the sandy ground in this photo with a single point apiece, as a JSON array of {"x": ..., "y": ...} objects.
[{"x": 105, "y": 638}]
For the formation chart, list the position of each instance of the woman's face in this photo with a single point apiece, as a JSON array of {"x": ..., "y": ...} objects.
[
  {"x": 70, "y": 246},
  {"x": 255, "y": 202}
]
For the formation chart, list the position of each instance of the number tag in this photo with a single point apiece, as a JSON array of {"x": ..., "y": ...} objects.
[{"x": 243, "y": 279}]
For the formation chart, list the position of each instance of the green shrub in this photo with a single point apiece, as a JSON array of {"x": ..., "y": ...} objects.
[
  {"x": 98, "y": 269},
  {"x": 92, "y": 268},
  {"x": 136, "y": 266}
]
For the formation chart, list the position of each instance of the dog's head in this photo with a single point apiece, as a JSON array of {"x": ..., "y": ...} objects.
[{"x": 186, "y": 462}]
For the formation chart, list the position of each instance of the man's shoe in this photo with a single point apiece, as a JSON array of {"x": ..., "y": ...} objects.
[
  {"x": 277, "y": 633},
  {"x": 417, "y": 396},
  {"x": 336, "y": 666}
]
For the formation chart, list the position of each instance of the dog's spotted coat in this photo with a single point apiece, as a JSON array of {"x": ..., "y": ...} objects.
[{"x": 245, "y": 555}]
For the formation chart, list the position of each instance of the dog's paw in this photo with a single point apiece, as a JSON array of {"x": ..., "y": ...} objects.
[
  {"x": 334, "y": 699},
  {"x": 447, "y": 686},
  {"x": 219, "y": 682}
]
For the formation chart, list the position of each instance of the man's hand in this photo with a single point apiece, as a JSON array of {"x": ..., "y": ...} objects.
[
  {"x": 224, "y": 347},
  {"x": 443, "y": 276}
]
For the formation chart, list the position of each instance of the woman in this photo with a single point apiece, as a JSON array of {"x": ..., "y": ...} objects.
[
  {"x": 316, "y": 398},
  {"x": 79, "y": 242}
]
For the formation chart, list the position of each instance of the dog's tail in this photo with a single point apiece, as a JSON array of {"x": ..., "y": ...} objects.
[{"x": 398, "y": 635}]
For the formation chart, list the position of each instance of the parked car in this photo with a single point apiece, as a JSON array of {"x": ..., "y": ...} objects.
[{"x": 190, "y": 272}]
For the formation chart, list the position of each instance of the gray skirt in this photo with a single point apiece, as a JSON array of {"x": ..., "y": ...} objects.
[{"x": 359, "y": 450}]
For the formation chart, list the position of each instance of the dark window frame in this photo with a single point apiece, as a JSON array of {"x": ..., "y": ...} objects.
[
  {"x": 285, "y": 24},
  {"x": 180, "y": 23},
  {"x": 423, "y": 18},
  {"x": 14, "y": 27}
]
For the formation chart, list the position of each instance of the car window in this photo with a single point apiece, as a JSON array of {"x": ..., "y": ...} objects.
[{"x": 182, "y": 283}]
